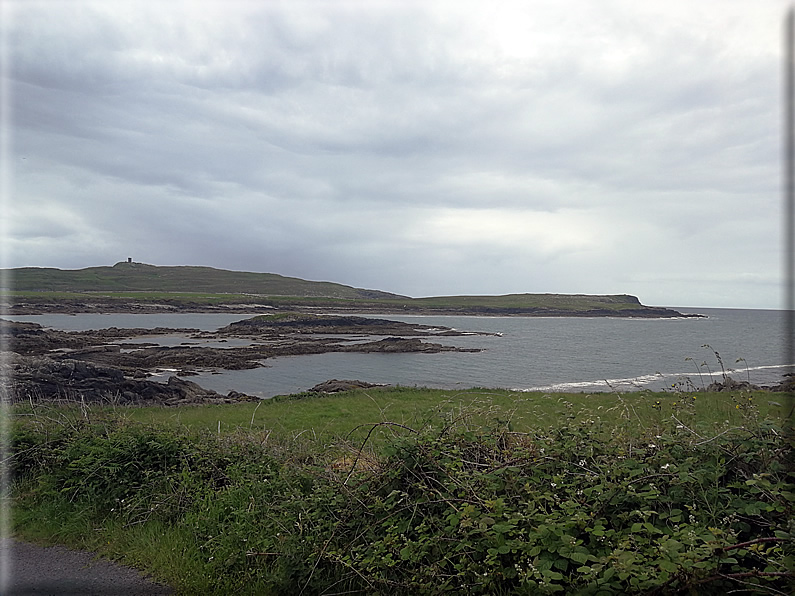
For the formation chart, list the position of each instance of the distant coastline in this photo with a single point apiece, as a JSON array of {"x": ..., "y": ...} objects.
[
  {"x": 116, "y": 306},
  {"x": 130, "y": 287}
]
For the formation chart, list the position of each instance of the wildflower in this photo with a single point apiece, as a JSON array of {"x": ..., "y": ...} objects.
[{"x": 665, "y": 467}]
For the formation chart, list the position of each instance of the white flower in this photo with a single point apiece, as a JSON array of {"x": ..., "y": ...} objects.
[{"x": 665, "y": 467}]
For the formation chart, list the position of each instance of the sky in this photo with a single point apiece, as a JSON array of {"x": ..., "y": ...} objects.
[{"x": 421, "y": 148}]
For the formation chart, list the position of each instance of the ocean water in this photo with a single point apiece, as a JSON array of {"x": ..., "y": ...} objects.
[{"x": 531, "y": 353}]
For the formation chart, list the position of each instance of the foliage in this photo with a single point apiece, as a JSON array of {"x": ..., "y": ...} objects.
[
  {"x": 466, "y": 504},
  {"x": 569, "y": 512}
]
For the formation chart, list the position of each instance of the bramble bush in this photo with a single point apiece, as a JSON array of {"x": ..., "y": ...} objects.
[
  {"x": 580, "y": 508},
  {"x": 565, "y": 512}
]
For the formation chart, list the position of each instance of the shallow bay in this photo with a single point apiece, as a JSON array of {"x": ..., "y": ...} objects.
[{"x": 531, "y": 353}]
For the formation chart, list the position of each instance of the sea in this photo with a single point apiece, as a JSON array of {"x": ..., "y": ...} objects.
[{"x": 551, "y": 354}]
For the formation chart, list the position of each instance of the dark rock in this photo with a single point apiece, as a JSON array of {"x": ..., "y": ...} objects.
[
  {"x": 188, "y": 389},
  {"x": 14, "y": 328},
  {"x": 37, "y": 379},
  {"x": 303, "y": 323},
  {"x": 729, "y": 384},
  {"x": 335, "y": 386},
  {"x": 238, "y": 396},
  {"x": 787, "y": 384},
  {"x": 401, "y": 345}
]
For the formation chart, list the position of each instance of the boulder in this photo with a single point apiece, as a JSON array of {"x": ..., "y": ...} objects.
[
  {"x": 729, "y": 384},
  {"x": 335, "y": 386}
]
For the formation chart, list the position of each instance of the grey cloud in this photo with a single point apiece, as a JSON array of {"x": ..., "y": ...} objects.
[{"x": 401, "y": 146}]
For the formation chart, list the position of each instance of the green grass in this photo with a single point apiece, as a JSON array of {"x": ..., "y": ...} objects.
[
  {"x": 329, "y": 418},
  {"x": 197, "y": 286},
  {"x": 143, "y": 296},
  {"x": 142, "y": 277},
  {"x": 572, "y": 302},
  {"x": 168, "y": 553},
  {"x": 509, "y": 304}
]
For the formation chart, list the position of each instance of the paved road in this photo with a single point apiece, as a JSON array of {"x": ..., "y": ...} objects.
[{"x": 30, "y": 570}]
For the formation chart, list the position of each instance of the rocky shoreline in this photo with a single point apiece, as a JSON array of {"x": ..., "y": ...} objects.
[{"x": 113, "y": 365}]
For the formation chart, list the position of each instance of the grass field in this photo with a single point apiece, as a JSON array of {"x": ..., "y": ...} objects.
[{"x": 332, "y": 417}]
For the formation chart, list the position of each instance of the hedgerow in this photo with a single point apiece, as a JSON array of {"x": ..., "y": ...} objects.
[{"x": 580, "y": 508}]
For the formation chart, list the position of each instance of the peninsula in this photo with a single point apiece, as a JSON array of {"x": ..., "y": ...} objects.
[{"x": 139, "y": 287}]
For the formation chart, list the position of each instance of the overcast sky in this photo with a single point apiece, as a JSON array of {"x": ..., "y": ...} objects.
[{"x": 423, "y": 148}]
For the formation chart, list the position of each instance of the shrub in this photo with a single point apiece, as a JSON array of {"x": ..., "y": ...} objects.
[{"x": 580, "y": 508}]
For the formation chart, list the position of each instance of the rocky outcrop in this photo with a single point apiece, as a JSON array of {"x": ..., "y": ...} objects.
[
  {"x": 100, "y": 366},
  {"x": 290, "y": 335},
  {"x": 306, "y": 324},
  {"x": 730, "y": 384},
  {"x": 335, "y": 386},
  {"x": 33, "y": 339},
  {"x": 39, "y": 379},
  {"x": 401, "y": 344}
]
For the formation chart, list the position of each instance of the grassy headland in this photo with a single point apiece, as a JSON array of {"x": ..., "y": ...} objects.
[
  {"x": 140, "y": 277},
  {"x": 137, "y": 286}
]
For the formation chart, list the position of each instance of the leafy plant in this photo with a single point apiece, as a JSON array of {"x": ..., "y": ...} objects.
[{"x": 459, "y": 503}]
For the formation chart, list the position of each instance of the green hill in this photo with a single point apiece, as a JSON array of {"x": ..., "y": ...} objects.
[
  {"x": 129, "y": 286},
  {"x": 139, "y": 277}
]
